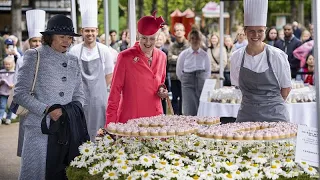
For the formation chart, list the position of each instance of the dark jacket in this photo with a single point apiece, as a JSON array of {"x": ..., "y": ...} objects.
[
  {"x": 288, "y": 47},
  {"x": 65, "y": 136}
]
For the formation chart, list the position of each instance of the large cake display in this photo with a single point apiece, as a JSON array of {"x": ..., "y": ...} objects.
[
  {"x": 250, "y": 131},
  {"x": 298, "y": 94},
  {"x": 301, "y": 95},
  {"x": 161, "y": 126},
  {"x": 188, "y": 158},
  {"x": 226, "y": 95}
]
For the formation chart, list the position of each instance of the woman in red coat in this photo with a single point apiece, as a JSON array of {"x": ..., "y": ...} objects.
[{"x": 138, "y": 79}]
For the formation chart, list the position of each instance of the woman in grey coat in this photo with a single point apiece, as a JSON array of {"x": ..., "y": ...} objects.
[{"x": 58, "y": 82}]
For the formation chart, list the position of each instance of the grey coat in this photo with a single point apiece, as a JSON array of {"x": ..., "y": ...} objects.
[{"x": 58, "y": 82}]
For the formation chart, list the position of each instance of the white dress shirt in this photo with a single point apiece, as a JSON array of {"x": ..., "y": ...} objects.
[
  {"x": 258, "y": 63},
  {"x": 90, "y": 54},
  {"x": 190, "y": 61}
]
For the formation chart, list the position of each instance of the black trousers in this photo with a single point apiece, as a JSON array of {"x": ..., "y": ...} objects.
[{"x": 176, "y": 97}]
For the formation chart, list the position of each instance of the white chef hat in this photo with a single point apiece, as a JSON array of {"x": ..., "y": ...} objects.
[
  {"x": 36, "y": 21},
  {"x": 255, "y": 12},
  {"x": 89, "y": 13}
]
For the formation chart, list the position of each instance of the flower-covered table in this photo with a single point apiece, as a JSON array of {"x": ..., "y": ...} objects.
[
  {"x": 187, "y": 157},
  {"x": 299, "y": 113}
]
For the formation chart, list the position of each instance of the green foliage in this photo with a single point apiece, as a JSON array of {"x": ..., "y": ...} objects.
[
  {"x": 279, "y": 6},
  {"x": 74, "y": 173}
]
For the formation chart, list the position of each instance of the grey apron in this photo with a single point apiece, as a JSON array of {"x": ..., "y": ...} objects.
[
  {"x": 95, "y": 89},
  {"x": 191, "y": 87},
  {"x": 261, "y": 97}
]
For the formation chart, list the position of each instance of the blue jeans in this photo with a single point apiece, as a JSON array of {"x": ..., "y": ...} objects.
[{"x": 3, "y": 106}]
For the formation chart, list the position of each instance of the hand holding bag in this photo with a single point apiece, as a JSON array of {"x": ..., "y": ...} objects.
[{"x": 16, "y": 108}]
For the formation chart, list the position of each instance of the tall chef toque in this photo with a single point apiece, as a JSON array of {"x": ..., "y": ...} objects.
[
  {"x": 36, "y": 21},
  {"x": 149, "y": 25},
  {"x": 255, "y": 12},
  {"x": 89, "y": 13}
]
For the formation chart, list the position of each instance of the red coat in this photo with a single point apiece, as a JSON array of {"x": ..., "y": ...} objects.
[{"x": 135, "y": 85}]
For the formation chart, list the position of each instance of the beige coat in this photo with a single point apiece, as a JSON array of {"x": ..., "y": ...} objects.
[{"x": 215, "y": 52}]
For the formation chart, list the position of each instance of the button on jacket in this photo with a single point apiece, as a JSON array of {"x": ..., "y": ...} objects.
[
  {"x": 47, "y": 92},
  {"x": 135, "y": 85}
]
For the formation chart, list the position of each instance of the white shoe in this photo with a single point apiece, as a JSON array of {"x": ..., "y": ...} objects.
[{"x": 8, "y": 121}]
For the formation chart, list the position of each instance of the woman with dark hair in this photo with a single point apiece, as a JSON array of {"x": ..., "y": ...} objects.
[
  {"x": 125, "y": 40},
  {"x": 308, "y": 69},
  {"x": 271, "y": 36},
  {"x": 193, "y": 68},
  {"x": 58, "y": 82}
]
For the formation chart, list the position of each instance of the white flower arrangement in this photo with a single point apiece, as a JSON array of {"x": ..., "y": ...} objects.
[{"x": 189, "y": 157}]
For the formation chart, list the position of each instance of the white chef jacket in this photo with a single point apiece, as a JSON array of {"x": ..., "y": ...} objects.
[
  {"x": 190, "y": 61},
  {"x": 258, "y": 63},
  {"x": 91, "y": 54}
]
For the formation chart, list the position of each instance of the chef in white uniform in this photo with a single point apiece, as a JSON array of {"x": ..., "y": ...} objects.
[
  {"x": 36, "y": 21},
  {"x": 96, "y": 62},
  {"x": 262, "y": 72}
]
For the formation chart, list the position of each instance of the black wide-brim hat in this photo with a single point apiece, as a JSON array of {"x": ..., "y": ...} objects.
[{"x": 60, "y": 25}]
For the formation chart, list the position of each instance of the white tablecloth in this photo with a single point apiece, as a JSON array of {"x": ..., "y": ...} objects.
[{"x": 300, "y": 113}]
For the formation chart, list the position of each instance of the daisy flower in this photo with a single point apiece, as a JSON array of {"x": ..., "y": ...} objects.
[
  {"x": 170, "y": 155},
  {"x": 145, "y": 161},
  {"x": 174, "y": 174},
  {"x": 303, "y": 164},
  {"x": 310, "y": 170},
  {"x": 271, "y": 175},
  {"x": 229, "y": 166},
  {"x": 131, "y": 177},
  {"x": 94, "y": 171},
  {"x": 161, "y": 164},
  {"x": 237, "y": 174},
  {"x": 135, "y": 155},
  {"x": 207, "y": 175},
  {"x": 110, "y": 175},
  {"x": 107, "y": 140},
  {"x": 177, "y": 164},
  {"x": 288, "y": 174},
  {"x": 227, "y": 176},
  {"x": 124, "y": 169},
  {"x": 86, "y": 150},
  {"x": 257, "y": 176},
  {"x": 274, "y": 168},
  {"x": 105, "y": 163},
  {"x": 261, "y": 159},
  {"x": 154, "y": 157},
  {"x": 82, "y": 164},
  {"x": 277, "y": 163},
  {"x": 118, "y": 163},
  {"x": 289, "y": 163},
  {"x": 148, "y": 175},
  {"x": 244, "y": 164},
  {"x": 120, "y": 154}
]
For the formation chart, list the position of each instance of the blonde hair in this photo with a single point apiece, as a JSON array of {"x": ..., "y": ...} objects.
[
  {"x": 303, "y": 33},
  {"x": 10, "y": 59},
  {"x": 178, "y": 25},
  {"x": 161, "y": 33}
]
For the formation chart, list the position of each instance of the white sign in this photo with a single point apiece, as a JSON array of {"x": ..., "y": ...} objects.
[{"x": 307, "y": 145}]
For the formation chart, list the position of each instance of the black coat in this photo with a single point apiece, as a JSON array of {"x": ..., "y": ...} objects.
[
  {"x": 288, "y": 46},
  {"x": 65, "y": 136}
]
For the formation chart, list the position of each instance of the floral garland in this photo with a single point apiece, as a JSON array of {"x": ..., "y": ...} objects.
[{"x": 188, "y": 157}]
